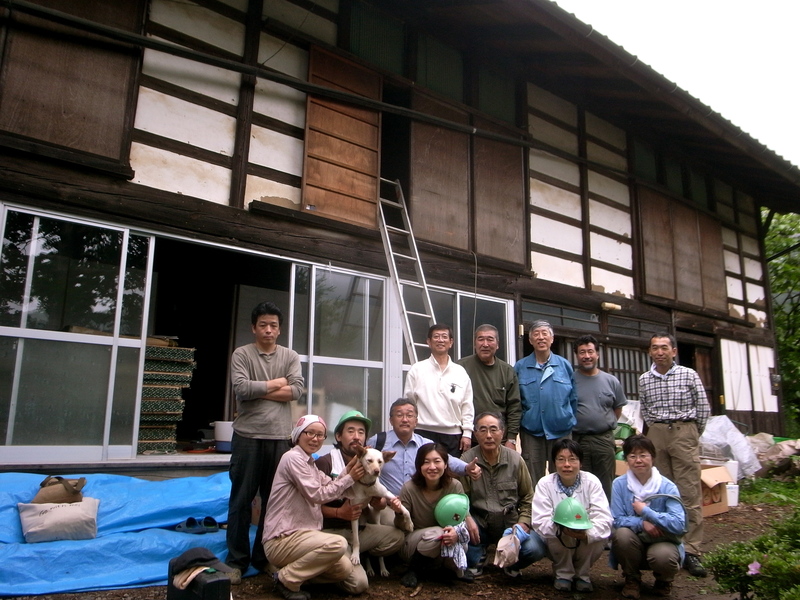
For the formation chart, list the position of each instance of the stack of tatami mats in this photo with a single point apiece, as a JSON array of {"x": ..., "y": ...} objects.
[{"x": 167, "y": 371}]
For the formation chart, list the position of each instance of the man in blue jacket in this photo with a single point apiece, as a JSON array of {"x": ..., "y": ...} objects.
[{"x": 549, "y": 399}]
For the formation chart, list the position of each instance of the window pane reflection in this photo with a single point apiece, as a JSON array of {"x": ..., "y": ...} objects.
[{"x": 338, "y": 389}]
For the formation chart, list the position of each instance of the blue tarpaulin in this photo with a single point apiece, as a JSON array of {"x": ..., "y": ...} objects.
[{"x": 136, "y": 535}]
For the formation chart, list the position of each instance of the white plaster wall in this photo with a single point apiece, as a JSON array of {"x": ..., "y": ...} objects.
[
  {"x": 283, "y": 57},
  {"x": 604, "y": 156},
  {"x": 273, "y": 99},
  {"x": 729, "y": 238},
  {"x": 734, "y": 287},
  {"x": 199, "y": 23},
  {"x": 757, "y": 317},
  {"x": 755, "y": 293},
  {"x": 603, "y": 130},
  {"x": 266, "y": 190},
  {"x": 750, "y": 245},
  {"x": 609, "y": 188},
  {"x": 558, "y": 168},
  {"x": 555, "y": 234},
  {"x": 752, "y": 268},
  {"x": 611, "y": 283},
  {"x": 556, "y": 269},
  {"x": 220, "y": 84},
  {"x": 609, "y": 218},
  {"x": 552, "y": 105},
  {"x": 553, "y": 135},
  {"x": 185, "y": 122},
  {"x": 302, "y": 19},
  {"x": 558, "y": 200},
  {"x": 269, "y": 148},
  {"x": 732, "y": 263},
  {"x": 611, "y": 251},
  {"x": 172, "y": 172}
]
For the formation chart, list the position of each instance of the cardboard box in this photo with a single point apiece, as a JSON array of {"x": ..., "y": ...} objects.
[{"x": 714, "y": 482}]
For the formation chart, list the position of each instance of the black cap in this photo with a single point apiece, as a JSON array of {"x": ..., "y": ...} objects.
[{"x": 199, "y": 557}]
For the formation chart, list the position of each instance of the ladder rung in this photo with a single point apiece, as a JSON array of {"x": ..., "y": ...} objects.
[
  {"x": 418, "y": 314},
  {"x": 397, "y": 230},
  {"x": 406, "y": 256},
  {"x": 410, "y": 283},
  {"x": 394, "y": 203}
]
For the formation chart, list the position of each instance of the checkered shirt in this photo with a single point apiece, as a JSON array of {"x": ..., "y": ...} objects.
[{"x": 677, "y": 396}]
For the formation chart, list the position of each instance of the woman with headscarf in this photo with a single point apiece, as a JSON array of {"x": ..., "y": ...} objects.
[
  {"x": 573, "y": 545},
  {"x": 292, "y": 537}
]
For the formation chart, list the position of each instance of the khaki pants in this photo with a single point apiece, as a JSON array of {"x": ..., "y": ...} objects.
[
  {"x": 633, "y": 555},
  {"x": 574, "y": 563},
  {"x": 678, "y": 459},
  {"x": 378, "y": 540},
  {"x": 313, "y": 555}
]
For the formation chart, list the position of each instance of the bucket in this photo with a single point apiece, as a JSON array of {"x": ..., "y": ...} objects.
[
  {"x": 623, "y": 431},
  {"x": 223, "y": 434},
  {"x": 733, "y": 494}
]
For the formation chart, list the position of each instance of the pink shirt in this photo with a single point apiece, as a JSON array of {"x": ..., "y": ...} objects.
[{"x": 298, "y": 492}]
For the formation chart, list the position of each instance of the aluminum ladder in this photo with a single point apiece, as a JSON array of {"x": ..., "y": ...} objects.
[{"x": 405, "y": 268}]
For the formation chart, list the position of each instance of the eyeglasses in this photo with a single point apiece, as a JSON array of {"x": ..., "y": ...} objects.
[
  {"x": 573, "y": 460},
  {"x": 437, "y": 337},
  {"x": 408, "y": 415},
  {"x": 635, "y": 457},
  {"x": 494, "y": 430},
  {"x": 314, "y": 435}
]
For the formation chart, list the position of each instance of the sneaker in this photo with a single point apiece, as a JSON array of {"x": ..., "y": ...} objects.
[
  {"x": 474, "y": 571},
  {"x": 409, "y": 580},
  {"x": 662, "y": 589},
  {"x": 466, "y": 577},
  {"x": 584, "y": 587},
  {"x": 235, "y": 576},
  {"x": 632, "y": 588},
  {"x": 511, "y": 572},
  {"x": 563, "y": 585},
  {"x": 288, "y": 594},
  {"x": 693, "y": 565}
]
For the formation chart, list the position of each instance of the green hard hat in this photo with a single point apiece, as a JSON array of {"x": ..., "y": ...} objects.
[
  {"x": 571, "y": 513},
  {"x": 451, "y": 509},
  {"x": 352, "y": 415}
]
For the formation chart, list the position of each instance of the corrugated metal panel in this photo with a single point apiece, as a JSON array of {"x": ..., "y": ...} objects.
[
  {"x": 440, "y": 68},
  {"x": 377, "y": 38}
]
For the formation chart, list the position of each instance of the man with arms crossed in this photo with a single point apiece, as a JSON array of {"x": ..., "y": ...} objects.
[
  {"x": 675, "y": 408},
  {"x": 265, "y": 378}
]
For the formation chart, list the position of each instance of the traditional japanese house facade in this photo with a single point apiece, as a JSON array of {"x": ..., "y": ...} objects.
[{"x": 164, "y": 165}]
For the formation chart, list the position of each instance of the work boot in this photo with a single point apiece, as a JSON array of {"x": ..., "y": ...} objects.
[
  {"x": 693, "y": 565},
  {"x": 632, "y": 588},
  {"x": 288, "y": 594},
  {"x": 662, "y": 589}
]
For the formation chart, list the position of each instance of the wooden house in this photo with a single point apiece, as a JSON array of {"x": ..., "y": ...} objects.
[{"x": 165, "y": 165}]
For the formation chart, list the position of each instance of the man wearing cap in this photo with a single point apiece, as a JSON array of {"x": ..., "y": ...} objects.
[
  {"x": 378, "y": 540},
  {"x": 266, "y": 377}
]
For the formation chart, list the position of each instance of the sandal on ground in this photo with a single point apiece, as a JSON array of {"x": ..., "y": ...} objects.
[{"x": 190, "y": 525}]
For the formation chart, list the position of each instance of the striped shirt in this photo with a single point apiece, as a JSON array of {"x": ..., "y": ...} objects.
[{"x": 678, "y": 395}]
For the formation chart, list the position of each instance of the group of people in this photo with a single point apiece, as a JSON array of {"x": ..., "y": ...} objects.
[{"x": 555, "y": 494}]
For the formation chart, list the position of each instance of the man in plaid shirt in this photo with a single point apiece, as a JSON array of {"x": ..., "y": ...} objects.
[{"x": 676, "y": 410}]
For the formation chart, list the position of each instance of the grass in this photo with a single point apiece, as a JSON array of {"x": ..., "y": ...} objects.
[{"x": 771, "y": 491}]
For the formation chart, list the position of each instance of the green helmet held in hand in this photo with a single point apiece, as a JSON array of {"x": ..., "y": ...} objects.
[
  {"x": 570, "y": 513},
  {"x": 451, "y": 510}
]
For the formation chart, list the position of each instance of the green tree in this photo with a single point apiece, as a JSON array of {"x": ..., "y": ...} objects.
[{"x": 782, "y": 246}]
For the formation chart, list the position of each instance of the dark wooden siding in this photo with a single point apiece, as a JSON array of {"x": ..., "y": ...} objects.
[
  {"x": 499, "y": 192},
  {"x": 439, "y": 195},
  {"x": 340, "y": 174},
  {"x": 682, "y": 251},
  {"x": 66, "y": 88}
]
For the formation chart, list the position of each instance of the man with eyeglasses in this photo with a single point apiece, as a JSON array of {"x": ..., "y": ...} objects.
[
  {"x": 442, "y": 392},
  {"x": 405, "y": 441},
  {"x": 494, "y": 382},
  {"x": 266, "y": 377},
  {"x": 676, "y": 410},
  {"x": 501, "y": 498}
]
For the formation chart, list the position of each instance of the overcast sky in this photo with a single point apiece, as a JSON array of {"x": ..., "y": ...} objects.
[{"x": 741, "y": 58}]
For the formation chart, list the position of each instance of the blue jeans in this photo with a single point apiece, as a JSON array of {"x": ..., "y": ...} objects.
[
  {"x": 530, "y": 551},
  {"x": 253, "y": 465}
]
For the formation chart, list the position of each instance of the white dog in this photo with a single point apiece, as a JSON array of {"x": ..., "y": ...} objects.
[{"x": 362, "y": 491}]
